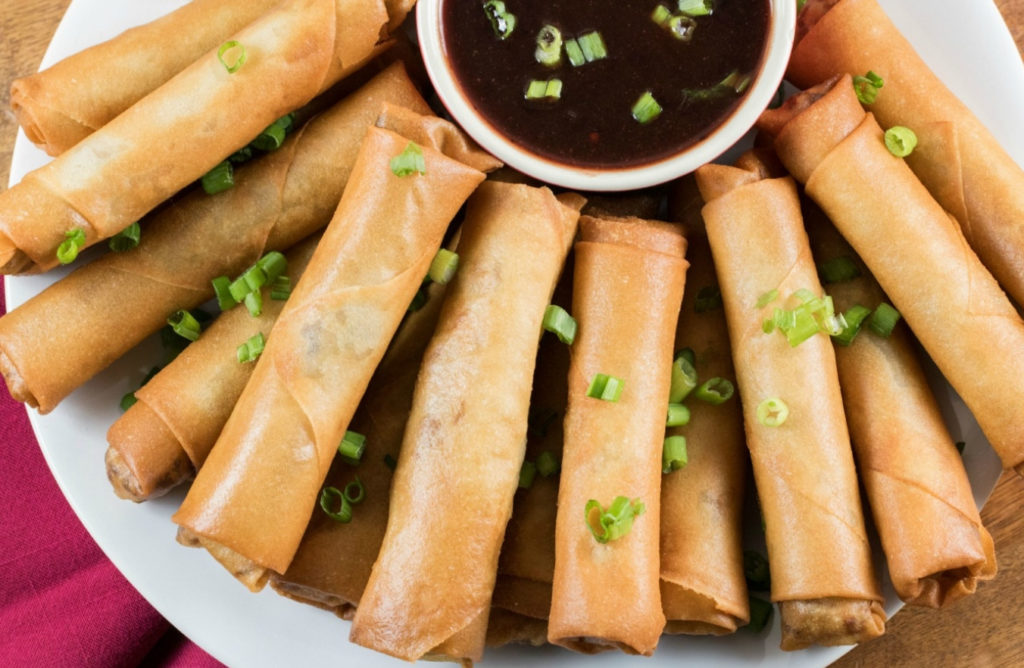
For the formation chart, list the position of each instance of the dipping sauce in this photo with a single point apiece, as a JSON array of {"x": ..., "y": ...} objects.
[{"x": 595, "y": 109}]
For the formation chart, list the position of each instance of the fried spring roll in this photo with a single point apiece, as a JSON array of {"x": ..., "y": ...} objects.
[
  {"x": 63, "y": 104},
  {"x": 251, "y": 501},
  {"x": 163, "y": 439},
  {"x": 914, "y": 249},
  {"x": 821, "y": 571},
  {"x": 935, "y": 545},
  {"x": 505, "y": 627},
  {"x": 957, "y": 158},
  {"x": 628, "y": 286},
  {"x": 136, "y": 161},
  {"x": 429, "y": 593},
  {"x": 103, "y": 309}
]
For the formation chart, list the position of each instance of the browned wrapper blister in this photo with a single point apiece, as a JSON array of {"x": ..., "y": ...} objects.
[
  {"x": 934, "y": 542},
  {"x": 821, "y": 570},
  {"x": 628, "y": 286},
  {"x": 914, "y": 249},
  {"x": 251, "y": 501},
  {"x": 957, "y": 158},
  {"x": 429, "y": 593},
  {"x": 62, "y": 337}
]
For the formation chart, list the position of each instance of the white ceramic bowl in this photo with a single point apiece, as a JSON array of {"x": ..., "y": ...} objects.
[{"x": 773, "y": 66}]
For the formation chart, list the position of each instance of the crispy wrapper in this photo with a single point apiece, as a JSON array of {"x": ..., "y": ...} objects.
[
  {"x": 628, "y": 286},
  {"x": 703, "y": 590},
  {"x": 258, "y": 487},
  {"x": 115, "y": 176},
  {"x": 821, "y": 569},
  {"x": 957, "y": 158},
  {"x": 75, "y": 328},
  {"x": 164, "y": 438},
  {"x": 430, "y": 590},
  {"x": 916, "y": 485},
  {"x": 63, "y": 104},
  {"x": 915, "y": 250}
]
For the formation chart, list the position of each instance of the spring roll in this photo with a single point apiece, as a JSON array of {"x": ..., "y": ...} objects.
[
  {"x": 63, "y": 104},
  {"x": 163, "y": 439},
  {"x": 136, "y": 161},
  {"x": 821, "y": 570},
  {"x": 103, "y": 309},
  {"x": 429, "y": 593},
  {"x": 251, "y": 501},
  {"x": 914, "y": 249},
  {"x": 505, "y": 627},
  {"x": 957, "y": 158},
  {"x": 628, "y": 286},
  {"x": 935, "y": 545}
]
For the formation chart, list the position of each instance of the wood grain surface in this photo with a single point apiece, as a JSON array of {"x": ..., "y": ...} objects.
[{"x": 986, "y": 629}]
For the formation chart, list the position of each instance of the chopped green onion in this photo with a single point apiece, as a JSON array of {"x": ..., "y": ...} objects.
[
  {"x": 129, "y": 399},
  {"x": 574, "y": 52},
  {"x": 238, "y": 289},
  {"x": 344, "y": 512},
  {"x": 689, "y": 355},
  {"x": 502, "y": 21},
  {"x": 231, "y": 55},
  {"x": 682, "y": 28},
  {"x": 126, "y": 239},
  {"x": 605, "y": 387},
  {"x": 592, "y": 46},
  {"x": 184, "y": 325},
  {"x": 540, "y": 421},
  {"x": 800, "y": 4},
  {"x": 418, "y": 300},
  {"x": 709, "y": 298},
  {"x": 358, "y": 494},
  {"x": 558, "y": 321},
  {"x": 172, "y": 344},
  {"x": 646, "y": 108},
  {"x": 760, "y": 614},
  {"x": 614, "y": 522},
  {"x": 254, "y": 303},
  {"x": 549, "y": 46},
  {"x": 661, "y": 15},
  {"x": 548, "y": 464},
  {"x": 767, "y": 298},
  {"x": 273, "y": 136},
  {"x": 536, "y": 90},
  {"x": 854, "y": 318},
  {"x": 251, "y": 350},
  {"x": 838, "y": 270},
  {"x": 409, "y": 161},
  {"x": 696, "y": 7},
  {"x": 254, "y": 278},
  {"x": 735, "y": 81},
  {"x": 352, "y": 446},
  {"x": 867, "y": 87},
  {"x": 684, "y": 379},
  {"x": 755, "y": 569},
  {"x": 443, "y": 266},
  {"x": 390, "y": 461},
  {"x": 960, "y": 445},
  {"x": 74, "y": 239},
  {"x": 281, "y": 289},
  {"x": 219, "y": 179},
  {"x": 883, "y": 320},
  {"x": 678, "y": 416},
  {"x": 243, "y": 154},
  {"x": 772, "y": 412},
  {"x": 273, "y": 264},
  {"x": 900, "y": 141},
  {"x": 526, "y": 475},
  {"x": 715, "y": 391},
  {"x": 673, "y": 454}
]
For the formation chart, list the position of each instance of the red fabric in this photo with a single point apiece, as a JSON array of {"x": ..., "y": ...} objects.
[{"x": 62, "y": 603}]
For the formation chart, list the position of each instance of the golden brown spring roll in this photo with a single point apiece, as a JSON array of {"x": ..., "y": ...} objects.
[
  {"x": 103, "y": 309},
  {"x": 178, "y": 132},
  {"x": 164, "y": 438},
  {"x": 935, "y": 545},
  {"x": 63, "y": 104},
  {"x": 821, "y": 571},
  {"x": 914, "y": 249},
  {"x": 703, "y": 590},
  {"x": 429, "y": 593},
  {"x": 957, "y": 158},
  {"x": 253, "y": 497},
  {"x": 628, "y": 286}
]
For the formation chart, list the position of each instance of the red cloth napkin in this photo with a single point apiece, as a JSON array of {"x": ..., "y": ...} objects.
[{"x": 62, "y": 603}]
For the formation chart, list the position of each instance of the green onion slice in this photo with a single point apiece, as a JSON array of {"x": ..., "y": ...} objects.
[
  {"x": 418, "y": 300},
  {"x": 696, "y": 7},
  {"x": 838, "y": 270},
  {"x": 709, "y": 298},
  {"x": 526, "y": 475},
  {"x": 574, "y": 52},
  {"x": 273, "y": 136},
  {"x": 767, "y": 298},
  {"x": 614, "y": 522},
  {"x": 409, "y": 161},
  {"x": 900, "y": 141},
  {"x": 760, "y": 614},
  {"x": 646, "y": 108},
  {"x": 755, "y": 569},
  {"x": 355, "y": 492},
  {"x": 443, "y": 266},
  {"x": 673, "y": 454},
  {"x": 544, "y": 90},
  {"x": 883, "y": 320},
  {"x": 127, "y": 401},
  {"x": 715, "y": 391},
  {"x": 281, "y": 289},
  {"x": 558, "y": 321},
  {"x": 690, "y": 356},
  {"x": 682, "y": 27},
  {"x": 74, "y": 239},
  {"x": 772, "y": 412},
  {"x": 243, "y": 154},
  {"x": 549, "y": 46},
  {"x": 605, "y": 387},
  {"x": 867, "y": 87},
  {"x": 184, "y": 325},
  {"x": 854, "y": 318},
  {"x": 502, "y": 21},
  {"x": 735, "y": 81},
  {"x": 273, "y": 264},
  {"x": 684, "y": 379},
  {"x": 661, "y": 15},
  {"x": 251, "y": 350},
  {"x": 231, "y": 55},
  {"x": 219, "y": 179},
  {"x": 352, "y": 447},
  {"x": 678, "y": 416},
  {"x": 592, "y": 46},
  {"x": 254, "y": 303},
  {"x": 332, "y": 496},
  {"x": 126, "y": 239},
  {"x": 254, "y": 278},
  {"x": 547, "y": 464}
]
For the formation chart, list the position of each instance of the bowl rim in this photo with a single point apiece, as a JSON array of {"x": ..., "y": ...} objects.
[{"x": 781, "y": 34}]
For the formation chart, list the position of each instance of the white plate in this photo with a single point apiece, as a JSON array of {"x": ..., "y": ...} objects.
[{"x": 209, "y": 606}]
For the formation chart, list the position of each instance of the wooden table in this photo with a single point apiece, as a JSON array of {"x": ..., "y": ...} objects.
[{"x": 986, "y": 629}]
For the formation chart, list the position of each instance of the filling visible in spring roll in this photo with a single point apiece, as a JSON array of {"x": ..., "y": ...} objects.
[
  {"x": 628, "y": 286},
  {"x": 820, "y": 559}
]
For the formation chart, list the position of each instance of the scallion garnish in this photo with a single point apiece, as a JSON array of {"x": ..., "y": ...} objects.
[
  {"x": 549, "y": 46},
  {"x": 772, "y": 412},
  {"x": 767, "y": 298},
  {"x": 544, "y": 90},
  {"x": 684, "y": 379},
  {"x": 254, "y": 303},
  {"x": 352, "y": 446},
  {"x": 760, "y": 614},
  {"x": 574, "y": 53},
  {"x": 74, "y": 239},
  {"x": 613, "y": 523},
  {"x": 184, "y": 325},
  {"x": 900, "y": 141},
  {"x": 682, "y": 27},
  {"x": 689, "y": 355},
  {"x": 231, "y": 55},
  {"x": 254, "y": 278},
  {"x": 502, "y": 21},
  {"x": 854, "y": 318},
  {"x": 838, "y": 270},
  {"x": 409, "y": 161},
  {"x": 883, "y": 320},
  {"x": 443, "y": 266},
  {"x": 678, "y": 416},
  {"x": 592, "y": 46},
  {"x": 218, "y": 179},
  {"x": 334, "y": 496},
  {"x": 126, "y": 239},
  {"x": 605, "y": 387},
  {"x": 354, "y": 491},
  {"x": 673, "y": 454},
  {"x": 273, "y": 136},
  {"x": 736, "y": 81},
  {"x": 273, "y": 264},
  {"x": 547, "y": 464},
  {"x": 243, "y": 154},
  {"x": 281, "y": 288},
  {"x": 646, "y": 108},
  {"x": 755, "y": 569},
  {"x": 129, "y": 399},
  {"x": 696, "y": 7},
  {"x": 526, "y": 475},
  {"x": 709, "y": 298},
  {"x": 418, "y": 300},
  {"x": 661, "y": 15},
  {"x": 715, "y": 391},
  {"x": 867, "y": 87},
  {"x": 251, "y": 350},
  {"x": 560, "y": 323}
]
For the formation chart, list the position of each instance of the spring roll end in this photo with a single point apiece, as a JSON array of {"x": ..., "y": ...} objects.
[
  {"x": 829, "y": 621},
  {"x": 246, "y": 571},
  {"x": 145, "y": 459},
  {"x": 16, "y": 384},
  {"x": 34, "y": 117},
  {"x": 124, "y": 482},
  {"x": 312, "y": 596}
]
